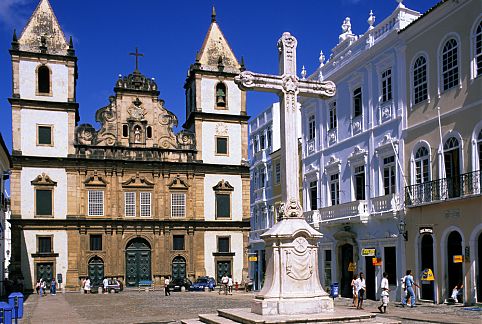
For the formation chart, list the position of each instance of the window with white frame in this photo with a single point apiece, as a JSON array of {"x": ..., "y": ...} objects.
[
  {"x": 130, "y": 204},
  {"x": 389, "y": 175},
  {"x": 478, "y": 50},
  {"x": 145, "y": 199},
  {"x": 359, "y": 182},
  {"x": 420, "y": 92},
  {"x": 268, "y": 137},
  {"x": 262, "y": 178},
  {"x": 387, "y": 85},
  {"x": 332, "y": 115},
  {"x": 178, "y": 204},
  {"x": 277, "y": 170},
  {"x": 262, "y": 142},
  {"x": 450, "y": 66},
  {"x": 311, "y": 127},
  {"x": 314, "y": 195},
  {"x": 96, "y": 203},
  {"x": 335, "y": 189},
  {"x": 327, "y": 276},
  {"x": 255, "y": 144},
  {"x": 422, "y": 165},
  {"x": 357, "y": 102}
]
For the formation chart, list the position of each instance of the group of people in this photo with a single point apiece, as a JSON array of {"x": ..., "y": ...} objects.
[
  {"x": 359, "y": 287},
  {"x": 226, "y": 285},
  {"x": 41, "y": 287}
]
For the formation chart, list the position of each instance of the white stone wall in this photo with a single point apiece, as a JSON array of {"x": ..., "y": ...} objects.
[
  {"x": 27, "y": 192},
  {"x": 212, "y": 129},
  {"x": 236, "y": 245},
  {"x": 210, "y": 180},
  {"x": 59, "y": 245},
  {"x": 30, "y": 118},
  {"x": 208, "y": 96},
  {"x": 28, "y": 81}
]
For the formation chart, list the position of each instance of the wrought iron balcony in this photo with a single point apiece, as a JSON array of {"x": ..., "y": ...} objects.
[{"x": 466, "y": 184}]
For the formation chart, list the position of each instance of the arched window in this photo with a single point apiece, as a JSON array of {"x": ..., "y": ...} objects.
[
  {"x": 43, "y": 79},
  {"x": 149, "y": 132},
  {"x": 452, "y": 166},
  {"x": 221, "y": 96},
  {"x": 422, "y": 165},
  {"x": 478, "y": 50},
  {"x": 450, "y": 67},
  {"x": 420, "y": 80}
]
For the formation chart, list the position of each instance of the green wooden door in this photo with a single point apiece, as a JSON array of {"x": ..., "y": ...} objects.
[
  {"x": 222, "y": 268},
  {"x": 138, "y": 262},
  {"x": 45, "y": 271},
  {"x": 178, "y": 267},
  {"x": 96, "y": 271}
]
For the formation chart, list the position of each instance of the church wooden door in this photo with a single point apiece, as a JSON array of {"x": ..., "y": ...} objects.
[
  {"x": 222, "y": 268},
  {"x": 45, "y": 271},
  {"x": 96, "y": 271},
  {"x": 138, "y": 262},
  {"x": 178, "y": 267}
]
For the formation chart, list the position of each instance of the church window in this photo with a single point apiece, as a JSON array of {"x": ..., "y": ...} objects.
[
  {"x": 178, "y": 242},
  {"x": 357, "y": 102},
  {"x": 44, "y": 244},
  {"x": 478, "y": 49},
  {"x": 130, "y": 204},
  {"x": 178, "y": 204},
  {"x": 332, "y": 115},
  {"x": 221, "y": 96},
  {"x": 223, "y": 244},
  {"x": 311, "y": 127},
  {"x": 43, "y": 202},
  {"x": 359, "y": 183},
  {"x": 43, "y": 80},
  {"x": 221, "y": 145},
  {"x": 223, "y": 205},
  {"x": 387, "y": 85},
  {"x": 149, "y": 132},
  {"x": 420, "y": 92},
  {"x": 44, "y": 135},
  {"x": 145, "y": 198},
  {"x": 327, "y": 268},
  {"x": 96, "y": 242},
  {"x": 125, "y": 130},
  {"x": 96, "y": 203},
  {"x": 450, "y": 67}
]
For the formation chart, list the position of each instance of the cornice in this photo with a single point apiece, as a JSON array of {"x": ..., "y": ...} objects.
[{"x": 215, "y": 117}]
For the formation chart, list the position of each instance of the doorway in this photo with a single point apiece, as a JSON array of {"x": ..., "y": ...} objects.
[
  {"x": 45, "y": 272},
  {"x": 370, "y": 278},
  {"x": 346, "y": 275},
  {"x": 222, "y": 268},
  {"x": 96, "y": 271},
  {"x": 138, "y": 261},
  {"x": 178, "y": 268},
  {"x": 426, "y": 262},
  {"x": 454, "y": 268}
]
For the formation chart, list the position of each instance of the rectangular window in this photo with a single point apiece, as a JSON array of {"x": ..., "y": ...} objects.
[
  {"x": 130, "y": 204},
  {"x": 44, "y": 244},
  {"x": 178, "y": 242},
  {"x": 389, "y": 175},
  {"x": 44, "y": 135},
  {"x": 314, "y": 195},
  {"x": 255, "y": 144},
  {"x": 96, "y": 203},
  {"x": 387, "y": 85},
  {"x": 277, "y": 171},
  {"x": 360, "y": 183},
  {"x": 421, "y": 171},
  {"x": 327, "y": 280},
  {"x": 357, "y": 102},
  {"x": 223, "y": 244},
  {"x": 262, "y": 142},
  {"x": 268, "y": 136},
  {"x": 125, "y": 130},
  {"x": 262, "y": 178},
  {"x": 145, "y": 198},
  {"x": 178, "y": 205},
  {"x": 311, "y": 127},
  {"x": 96, "y": 242},
  {"x": 223, "y": 205},
  {"x": 222, "y": 145},
  {"x": 332, "y": 117},
  {"x": 43, "y": 202},
  {"x": 335, "y": 189}
]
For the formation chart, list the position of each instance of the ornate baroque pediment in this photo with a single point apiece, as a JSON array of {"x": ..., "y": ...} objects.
[
  {"x": 386, "y": 145},
  {"x": 223, "y": 186},
  {"x": 95, "y": 180},
  {"x": 358, "y": 156},
  {"x": 178, "y": 183},
  {"x": 43, "y": 180},
  {"x": 137, "y": 181},
  {"x": 333, "y": 165}
]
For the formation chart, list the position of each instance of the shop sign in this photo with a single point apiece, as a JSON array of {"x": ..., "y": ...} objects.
[
  {"x": 352, "y": 267},
  {"x": 427, "y": 275},
  {"x": 253, "y": 258},
  {"x": 425, "y": 230},
  {"x": 377, "y": 262},
  {"x": 368, "y": 252},
  {"x": 458, "y": 258}
]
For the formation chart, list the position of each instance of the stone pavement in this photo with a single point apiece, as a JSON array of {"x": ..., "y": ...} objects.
[{"x": 153, "y": 308}]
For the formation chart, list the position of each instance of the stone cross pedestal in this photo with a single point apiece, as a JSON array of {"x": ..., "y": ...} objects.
[{"x": 292, "y": 284}]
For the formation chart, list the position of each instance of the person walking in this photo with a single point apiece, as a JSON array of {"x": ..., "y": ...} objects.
[
  {"x": 53, "y": 287},
  {"x": 224, "y": 284},
  {"x": 87, "y": 286},
  {"x": 409, "y": 283},
  {"x": 166, "y": 286},
  {"x": 385, "y": 293},
  {"x": 354, "y": 290},
  {"x": 361, "y": 286},
  {"x": 41, "y": 287},
  {"x": 230, "y": 285},
  {"x": 105, "y": 283}
]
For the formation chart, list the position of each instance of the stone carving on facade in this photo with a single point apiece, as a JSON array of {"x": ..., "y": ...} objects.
[
  {"x": 95, "y": 180},
  {"x": 358, "y": 156},
  {"x": 299, "y": 264},
  {"x": 136, "y": 111},
  {"x": 221, "y": 129},
  {"x": 138, "y": 181},
  {"x": 388, "y": 145},
  {"x": 85, "y": 134},
  {"x": 43, "y": 180},
  {"x": 332, "y": 136},
  {"x": 178, "y": 183},
  {"x": 333, "y": 165},
  {"x": 223, "y": 186},
  {"x": 386, "y": 112},
  {"x": 136, "y": 81},
  {"x": 292, "y": 209},
  {"x": 356, "y": 125}
]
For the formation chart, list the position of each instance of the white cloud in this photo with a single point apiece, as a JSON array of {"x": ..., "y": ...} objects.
[{"x": 13, "y": 12}]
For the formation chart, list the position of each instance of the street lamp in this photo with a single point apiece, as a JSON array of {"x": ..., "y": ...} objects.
[{"x": 402, "y": 229}]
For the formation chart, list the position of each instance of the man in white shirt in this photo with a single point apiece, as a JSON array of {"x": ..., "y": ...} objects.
[
  {"x": 224, "y": 284},
  {"x": 361, "y": 287},
  {"x": 385, "y": 293},
  {"x": 166, "y": 286},
  {"x": 105, "y": 283}
]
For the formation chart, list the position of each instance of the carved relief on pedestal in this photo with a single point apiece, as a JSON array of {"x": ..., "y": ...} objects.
[{"x": 299, "y": 263}]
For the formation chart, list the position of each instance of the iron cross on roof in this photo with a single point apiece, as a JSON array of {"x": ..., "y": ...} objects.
[{"x": 137, "y": 54}]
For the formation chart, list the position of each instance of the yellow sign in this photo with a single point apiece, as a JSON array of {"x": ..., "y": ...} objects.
[
  {"x": 377, "y": 261},
  {"x": 458, "y": 258},
  {"x": 352, "y": 267},
  {"x": 368, "y": 252},
  {"x": 427, "y": 275},
  {"x": 253, "y": 258}
]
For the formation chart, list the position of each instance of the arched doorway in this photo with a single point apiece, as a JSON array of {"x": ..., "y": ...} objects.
[
  {"x": 479, "y": 269},
  {"x": 138, "y": 261},
  {"x": 426, "y": 262},
  {"x": 454, "y": 269},
  {"x": 346, "y": 275},
  {"x": 452, "y": 166},
  {"x": 178, "y": 267},
  {"x": 96, "y": 271}
]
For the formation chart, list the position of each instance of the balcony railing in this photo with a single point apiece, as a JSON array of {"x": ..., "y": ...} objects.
[
  {"x": 466, "y": 184},
  {"x": 385, "y": 203},
  {"x": 352, "y": 210}
]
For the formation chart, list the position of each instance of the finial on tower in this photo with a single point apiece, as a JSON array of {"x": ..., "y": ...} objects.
[
  {"x": 242, "y": 67},
  {"x": 15, "y": 45},
  {"x": 371, "y": 20},
  {"x": 303, "y": 73},
  {"x": 400, "y": 4},
  {"x": 213, "y": 15},
  {"x": 71, "y": 50},
  {"x": 322, "y": 58}
]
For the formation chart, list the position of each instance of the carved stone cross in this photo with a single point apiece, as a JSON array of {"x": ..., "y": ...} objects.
[{"x": 288, "y": 86}]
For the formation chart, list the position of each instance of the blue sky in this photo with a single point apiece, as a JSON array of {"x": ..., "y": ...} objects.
[{"x": 169, "y": 33}]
